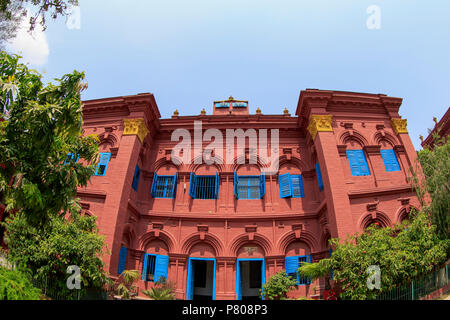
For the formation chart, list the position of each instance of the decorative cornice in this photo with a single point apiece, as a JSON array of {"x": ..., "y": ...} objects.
[
  {"x": 135, "y": 127},
  {"x": 319, "y": 123},
  {"x": 372, "y": 149},
  {"x": 399, "y": 125}
]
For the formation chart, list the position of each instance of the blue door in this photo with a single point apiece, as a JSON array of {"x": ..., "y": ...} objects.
[
  {"x": 239, "y": 276},
  {"x": 190, "y": 277}
]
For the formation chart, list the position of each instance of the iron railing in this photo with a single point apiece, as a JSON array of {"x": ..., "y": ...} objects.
[{"x": 420, "y": 287}]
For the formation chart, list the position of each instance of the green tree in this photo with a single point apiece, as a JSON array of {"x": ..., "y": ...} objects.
[
  {"x": 278, "y": 286},
  {"x": 401, "y": 252},
  {"x": 10, "y": 19},
  {"x": 435, "y": 164},
  {"x": 43, "y": 124},
  {"x": 64, "y": 241},
  {"x": 12, "y": 8},
  {"x": 16, "y": 285}
]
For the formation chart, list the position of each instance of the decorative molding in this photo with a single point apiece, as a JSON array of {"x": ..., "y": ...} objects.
[
  {"x": 251, "y": 228},
  {"x": 135, "y": 127},
  {"x": 342, "y": 149},
  {"x": 157, "y": 225},
  {"x": 320, "y": 123},
  {"x": 372, "y": 206},
  {"x": 399, "y": 149},
  {"x": 372, "y": 149},
  {"x": 399, "y": 125},
  {"x": 297, "y": 228},
  {"x": 202, "y": 228},
  {"x": 114, "y": 151}
]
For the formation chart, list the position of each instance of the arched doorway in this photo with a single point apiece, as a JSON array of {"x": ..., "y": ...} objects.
[
  {"x": 250, "y": 272},
  {"x": 201, "y": 273}
]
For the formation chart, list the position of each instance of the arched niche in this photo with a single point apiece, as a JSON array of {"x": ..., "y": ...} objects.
[
  {"x": 297, "y": 248},
  {"x": 167, "y": 169},
  {"x": 248, "y": 170},
  {"x": 157, "y": 246},
  {"x": 289, "y": 167},
  {"x": 202, "y": 250},
  {"x": 250, "y": 250},
  {"x": 206, "y": 170}
]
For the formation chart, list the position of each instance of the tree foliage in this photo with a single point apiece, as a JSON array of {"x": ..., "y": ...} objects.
[
  {"x": 48, "y": 251},
  {"x": 43, "y": 124},
  {"x": 16, "y": 285},
  {"x": 401, "y": 252},
  {"x": 10, "y": 20},
  {"x": 435, "y": 164},
  {"x": 11, "y": 8},
  {"x": 278, "y": 286}
]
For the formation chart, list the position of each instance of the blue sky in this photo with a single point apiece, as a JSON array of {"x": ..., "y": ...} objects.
[{"x": 189, "y": 53}]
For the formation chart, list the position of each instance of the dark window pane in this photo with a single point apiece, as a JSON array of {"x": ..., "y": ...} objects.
[{"x": 151, "y": 267}]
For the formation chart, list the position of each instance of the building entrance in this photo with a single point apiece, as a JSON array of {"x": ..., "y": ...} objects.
[
  {"x": 201, "y": 280},
  {"x": 250, "y": 277}
]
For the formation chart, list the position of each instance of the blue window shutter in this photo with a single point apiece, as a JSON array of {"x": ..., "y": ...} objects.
[
  {"x": 137, "y": 173},
  {"x": 262, "y": 185},
  {"x": 319, "y": 176},
  {"x": 291, "y": 266},
  {"x": 161, "y": 266},
  {"x": 192, "y": 185},
  {"x": 154, "y": 183},
  {"x": 103, "y": 163},
  {"x": 217, "y": 186},
  {"x": 390, "y": 160},
  {"x": 122, "y": 260},
  {"x": 358, "y": 163},
  {"x": 236, "y": 185},
  {"x": 238, "y": 281},
  {"x": 190, "y": 281},
  {"x": 144, "y": 268},
  {"x": 174, "y": 187},
  {"x": 302, "y": 190},
  {"x": 353, "y": 162},
  {"x": 285, "y": 184},
  {"x": 362, "y": 161}
]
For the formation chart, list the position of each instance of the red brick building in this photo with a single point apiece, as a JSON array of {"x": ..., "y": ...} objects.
[
  {"x": 220, "y": 230},
  {"x": 442, "y": 128}
]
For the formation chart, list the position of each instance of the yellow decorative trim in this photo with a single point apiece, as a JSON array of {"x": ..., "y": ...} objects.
[
  {"x": 319, "y": 123},
  {"x": 399, "y": 125},
  {"x": 135, "y": 127}
]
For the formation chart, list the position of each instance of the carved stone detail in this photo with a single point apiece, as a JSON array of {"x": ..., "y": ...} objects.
[
  {"x": 399, "y": 125},
  {"x": 320, "y": 123},
  {"x": 135, "y": 127}
]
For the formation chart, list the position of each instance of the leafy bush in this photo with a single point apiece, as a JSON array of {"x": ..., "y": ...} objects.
[
  {"x": 16, "y": 285},
  {"x": 48, "y": 250},
  {"x": 278, "y": 286},
  {"x": 163, "y": 290},
  {"x": 401, "y": 254}
]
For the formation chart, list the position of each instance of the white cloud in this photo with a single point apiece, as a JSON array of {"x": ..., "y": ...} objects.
[{"x": 32, "y": 47}]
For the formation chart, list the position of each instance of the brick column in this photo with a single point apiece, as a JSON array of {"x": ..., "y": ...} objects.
[
  {"x": 335, "y": 190},
  {"x": 116, "y": 202}
]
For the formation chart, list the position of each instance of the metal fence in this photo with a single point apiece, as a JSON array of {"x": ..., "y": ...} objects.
[
  {"x": 420, "y": 287},
  {"x": 53, "y": 290}
]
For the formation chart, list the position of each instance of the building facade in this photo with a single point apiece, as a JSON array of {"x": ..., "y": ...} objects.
[
  {"x": 442, "y": 128},
  {"x": 220, "y": 228}
]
